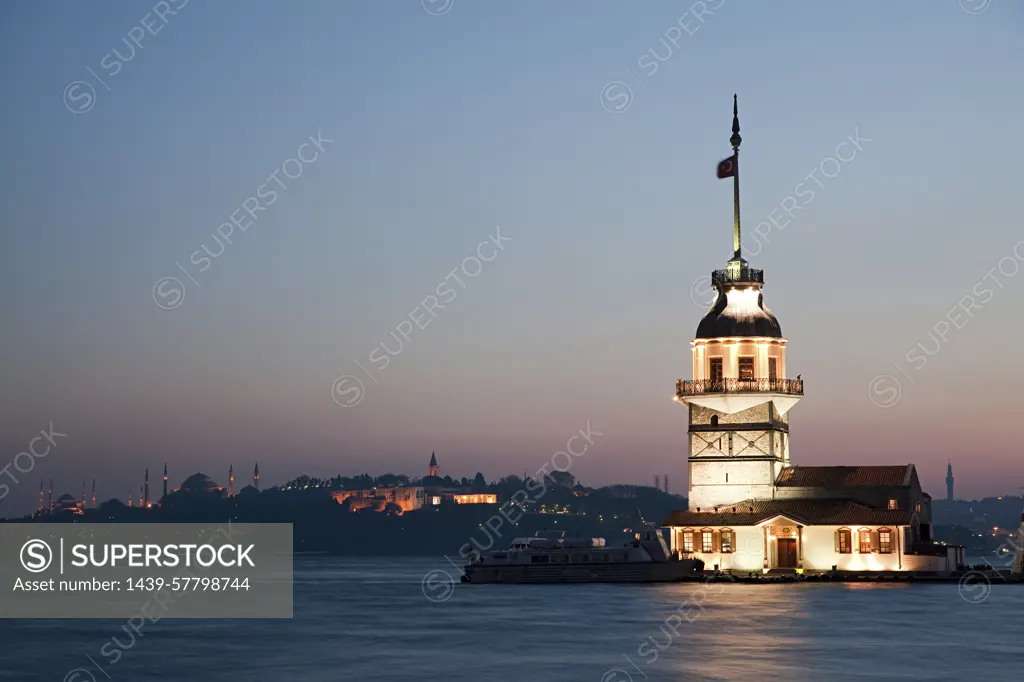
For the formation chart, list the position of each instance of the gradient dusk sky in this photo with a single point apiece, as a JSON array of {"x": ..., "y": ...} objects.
[{"x": 588, "y": 133}]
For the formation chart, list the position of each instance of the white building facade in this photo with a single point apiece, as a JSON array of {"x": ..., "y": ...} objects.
[{"x": 750, "y": 507}]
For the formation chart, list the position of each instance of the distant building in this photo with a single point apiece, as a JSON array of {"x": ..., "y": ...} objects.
[
  {"x": 433, "y": 469},
  {"x": 67, "y": 504},
  {"x": 474, "y": 498},
  {"x": 200, "y": 485},
  {"x": 407, "y": 498},
  {"x": 750, "y": 507}
]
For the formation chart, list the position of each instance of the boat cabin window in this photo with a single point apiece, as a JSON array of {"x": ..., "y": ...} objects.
[
  {"x": 539, "y": 559},
  {"x": 580, "y": 558},
  {"x": 560, "y": 558}
]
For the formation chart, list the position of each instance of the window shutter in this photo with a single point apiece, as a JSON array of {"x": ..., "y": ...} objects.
[
  {"x": 874, "y": 541},
  {"x": 838, "y": 547}
]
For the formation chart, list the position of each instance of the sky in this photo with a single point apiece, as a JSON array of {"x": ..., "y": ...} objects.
[{"x": 545, "y": 172}]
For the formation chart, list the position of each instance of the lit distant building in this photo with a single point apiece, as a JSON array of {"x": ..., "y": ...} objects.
[
  {"x": 67, "y": 504},
  {"x": 750, "y": 508},
  {"x": 406, "y": 498},
  {"x": 474, "y": 498}
]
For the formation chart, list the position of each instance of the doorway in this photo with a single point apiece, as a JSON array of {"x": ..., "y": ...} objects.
[{"x": 787, "y": 553}]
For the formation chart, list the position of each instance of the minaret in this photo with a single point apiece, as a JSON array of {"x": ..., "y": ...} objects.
[
  {"x": 141, "y": 505},
  {"x": 231, "y": 481},
  {"x": 738, "y": 400},
  {"x": 657, "y": 482},
  {"x": 41, "y": 498},
  {"x": 50, "y": 504},
  {"x": 94, "y": 493},
  {"x": 145, "y": 498},
  {"x": 130, "y": 503},
  {"x": 165, "y": 479},
  {"x": 433, "y": 469},
  {"x": 256, "y": 476},
  {"x": 949, "y": 481},
  {"x": 83, "y": 493},
  {"x": 666, "y": 484}
]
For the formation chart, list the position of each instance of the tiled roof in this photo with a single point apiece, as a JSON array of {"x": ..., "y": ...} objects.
[
  {"x": 846, "y": 477},
  {"x": 809, "y": 512}
]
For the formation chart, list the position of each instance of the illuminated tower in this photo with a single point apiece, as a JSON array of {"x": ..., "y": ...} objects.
[
  {"x": 433, "y": 469},
  {"x": 145, "y": 497},
  {"x": 49, "y": 504},
  {"x": 94, "y": 493},
  {"x": 165, "y": 479},
  {"x": 949, "y": 481},
  {"x": 256, "y": 476},
  {"x": 83, "y": 493},
  {"x": 130, "y": 503},
  {"x": 738, "y": 400},
  {"x": 41, "y": 498},
  {"x": 231, "y": 481}
]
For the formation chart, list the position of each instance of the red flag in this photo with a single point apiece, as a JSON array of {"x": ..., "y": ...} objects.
[{"x": 727, "y": 167}]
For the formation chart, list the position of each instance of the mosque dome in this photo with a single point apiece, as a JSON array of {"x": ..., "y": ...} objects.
[{"x": 199, "y": 483}]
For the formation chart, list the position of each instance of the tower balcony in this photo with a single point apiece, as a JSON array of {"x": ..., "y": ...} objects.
[
  {"x": 737, "y": 275},
  {"x": 686, "y": 388}
]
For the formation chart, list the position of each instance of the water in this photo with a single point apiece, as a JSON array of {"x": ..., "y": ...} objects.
[{"x": 369, "y": 619}]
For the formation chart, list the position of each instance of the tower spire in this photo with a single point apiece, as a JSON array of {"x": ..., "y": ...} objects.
[
  {"x": 94, "y": 493},
  {"x": 735, "y": 140},
  {"x": 165, "y": 479}
]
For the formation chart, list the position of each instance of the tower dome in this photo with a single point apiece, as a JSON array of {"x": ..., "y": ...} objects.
[{"x": 739, "y": 308}]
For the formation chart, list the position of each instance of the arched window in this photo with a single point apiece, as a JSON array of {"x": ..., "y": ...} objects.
[
  {"x": 844, "y": 541},
  {"x": 714, "y": 420},
  {"x": 884, "y": 541},
  {"x": 728, "y": 540}
]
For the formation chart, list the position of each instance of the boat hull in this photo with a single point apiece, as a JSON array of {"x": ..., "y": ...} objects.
[{"x": 646, "y": 572}]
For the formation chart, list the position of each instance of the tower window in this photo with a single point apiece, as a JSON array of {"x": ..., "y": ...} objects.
[
  {"x": 746, "y": 368},
  {"x": 714, "y": 420},
  {"x": 773, "y": 369},
  {"x": 715, "y": 369},
  {"x": 893, "y": 504}
]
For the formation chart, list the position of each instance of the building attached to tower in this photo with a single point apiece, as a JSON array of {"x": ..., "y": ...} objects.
[{"x": 750, "y": 507}]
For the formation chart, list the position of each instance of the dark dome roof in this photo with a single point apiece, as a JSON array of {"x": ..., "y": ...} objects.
[
  {"x": 198, "y": 483},
  {"x": 734, "y": 313},
  {"x": 67, "y": 497}
]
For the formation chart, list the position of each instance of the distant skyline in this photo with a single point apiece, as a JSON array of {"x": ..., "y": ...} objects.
[{"x": 399, "y": 139}]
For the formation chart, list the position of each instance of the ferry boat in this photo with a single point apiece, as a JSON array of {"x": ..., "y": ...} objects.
[{"x": 554, "y": 558}]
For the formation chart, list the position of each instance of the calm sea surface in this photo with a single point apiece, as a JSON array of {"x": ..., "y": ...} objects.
[{"x": 371, "y": 619}]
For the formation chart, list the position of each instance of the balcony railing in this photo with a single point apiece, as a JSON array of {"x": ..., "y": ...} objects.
[
  {"x": 702, "y": 386},
  {"x": 731, "y": 275}
]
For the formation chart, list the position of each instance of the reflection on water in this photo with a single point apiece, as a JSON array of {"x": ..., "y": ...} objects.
[{"x": 377, "y": 619}]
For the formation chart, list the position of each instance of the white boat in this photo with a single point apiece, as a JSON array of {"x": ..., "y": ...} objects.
[{"x": 554, "y": 558}]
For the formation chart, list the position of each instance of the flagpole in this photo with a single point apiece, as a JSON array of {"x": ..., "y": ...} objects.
[{"x": 735, "y": 140}]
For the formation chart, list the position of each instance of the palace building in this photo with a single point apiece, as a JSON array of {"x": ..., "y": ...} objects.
[{"x": 750, "y": 507}]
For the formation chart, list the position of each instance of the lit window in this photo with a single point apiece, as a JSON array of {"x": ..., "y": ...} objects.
[
  {"x": 844, "y": 541},
  {"x": 918, "y": 507},
  {"x": 707, "y": 543},
  {"x": 746, "y": 368},
  {"x": 773, "y": 371},
  {"x": 715, "y": 369},
  {"x": 687, "y": 540},
  {"x": 885, "y": 541},
  {"x": 865, "y": 540},
  {"x": 893, "y": 504},
  {"x": 727, "y": 541}
]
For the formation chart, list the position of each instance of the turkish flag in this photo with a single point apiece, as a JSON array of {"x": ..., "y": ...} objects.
[{"x": 727, "y": 167}]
